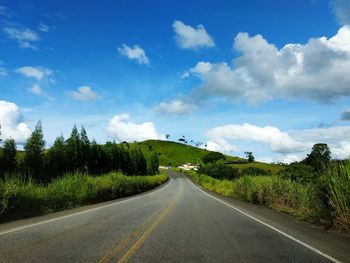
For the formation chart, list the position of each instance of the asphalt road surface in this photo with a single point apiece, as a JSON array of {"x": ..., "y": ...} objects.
[{"x": 175, "y": 223}]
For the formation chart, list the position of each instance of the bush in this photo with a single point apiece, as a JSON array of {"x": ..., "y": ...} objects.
[
  {"x": 219, "y": 171},
  {"x": 298, "y": 172}
]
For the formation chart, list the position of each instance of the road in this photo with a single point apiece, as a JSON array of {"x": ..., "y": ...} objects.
[{"x": 175, "y": 223}]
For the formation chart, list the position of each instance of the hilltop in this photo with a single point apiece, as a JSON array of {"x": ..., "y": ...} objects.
[{"x": 174, "y": 153}]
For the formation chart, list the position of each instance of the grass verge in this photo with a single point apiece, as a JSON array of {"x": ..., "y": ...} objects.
[
  {"x": 20, "y": 199},
  {"x": 271, "y": 191}
]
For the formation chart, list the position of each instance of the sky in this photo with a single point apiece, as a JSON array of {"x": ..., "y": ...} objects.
[{"x": 272, "y": 77}]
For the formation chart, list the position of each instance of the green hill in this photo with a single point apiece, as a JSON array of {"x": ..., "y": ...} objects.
[{"x": 173, "y": 153}]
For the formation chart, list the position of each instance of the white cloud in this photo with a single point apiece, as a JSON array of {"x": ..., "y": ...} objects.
[
  {"x": 293, "y": 145},
  {"x": 341, "y": 9},
  {"x": 220, "y": 145},
  {"x": 277, "y": 140},
  {"x": 83, "y": 93},
  {"x": 123, "y": 130},
  {"x": 38, "y": 73},
  {"x": 36, "y": 89},
  {"x": 201, "y": 68},
  {"x": 135, "y": 53},
  {"x": 12, "y": 125},
  {"x": 175, "y": 107},
  {"x": 43, "y": 28},
  {"x": 188, "y": 37},
  {"x": 317, "y": 70},
  {"x": 24, "y": 36},
  {"x": 3, "y": 72}
]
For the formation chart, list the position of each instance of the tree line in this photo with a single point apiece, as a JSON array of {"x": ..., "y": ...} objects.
[{"x": 75, "y": 154}]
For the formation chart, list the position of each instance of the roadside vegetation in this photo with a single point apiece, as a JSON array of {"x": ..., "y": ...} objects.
[
  {"x": 24, "y": 198},
  {"x": 71, "y": 173},
  {"x": 316, "y": 189}
]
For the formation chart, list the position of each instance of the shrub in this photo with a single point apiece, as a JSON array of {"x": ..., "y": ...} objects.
[
  {"x": 298, "y": 172},
  {"x": 219, "y": 171}
]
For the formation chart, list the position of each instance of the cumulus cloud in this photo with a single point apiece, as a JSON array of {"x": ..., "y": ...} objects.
[
  {"x": 277, "y": 140},
  {"x": 293, "y": 145},
  {"x": 122, "y": 129},
  {"x": 12, "y": 125},
  {"x": 38, "y": 73},
  {"x": 175, "y": 107},
  {"x": 36, "y": 89},
  {"x": 24, "y": 36},
  {"x": 317, "y": 70},
  {"x": 83, "y": 93},
  {"x": 188, "y": 37},
  {"x": 341, "y": 9},
  {"x": 135, "y": 53},
  {"x": 345, "y": 116},
  {"x": 220, "y": 145},
  {"x": 3, "y": 72}
]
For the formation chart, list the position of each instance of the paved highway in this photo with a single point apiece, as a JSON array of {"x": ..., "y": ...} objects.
[{"x": 175, "y": 223}]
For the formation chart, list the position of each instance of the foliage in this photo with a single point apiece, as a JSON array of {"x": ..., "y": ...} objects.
[
  {"x": 154, "y": 164},
  {"x": 213, "y": 157},
  {"x": 336, "y": 182},
  {"x": 219, "y": 171},
  {"x": 299, "y": 172},
  {"x": 250, "y": 157},
  {"x": 319, "y": 158},
  {"x": 254, "y": 171},
  {"x": 21, "y": 198},
  {"x": 34, "y": 153},
  {"x": 8, "y": 158}
]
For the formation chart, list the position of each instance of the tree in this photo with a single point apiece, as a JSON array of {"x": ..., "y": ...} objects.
[
  {"x": 319, "y": 158},
  {"x": 73, "y": 150},
  {"x": 56, "y": 158},
  {"x": 249, "y": 156},
  {"x": 9, "y": 156},
  {"x": 213, "y": 157},
  {"x": 84, "y": 149},
  {"x": 153, "y": 164},
  {"x": 34, "y": 153}
]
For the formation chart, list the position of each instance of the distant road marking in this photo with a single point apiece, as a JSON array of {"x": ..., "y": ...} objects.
[
  {"x": 83, "y": 212},
  {"x": 269, "y": 226}
]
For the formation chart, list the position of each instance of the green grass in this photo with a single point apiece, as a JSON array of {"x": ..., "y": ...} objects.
[
  {"x": 19, "y": 199},
  {"x": 271, "y": 191},
  {"x": 173, "y": 153}
]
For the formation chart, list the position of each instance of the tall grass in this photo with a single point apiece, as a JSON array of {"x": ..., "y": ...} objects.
[
  {"x": 271, "y": 191},
  {"x": 337, "y": 184},
  {"x": 19, "y": 198}
]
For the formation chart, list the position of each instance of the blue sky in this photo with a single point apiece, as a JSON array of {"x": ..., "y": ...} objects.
[{"x": 266, "y": 76}]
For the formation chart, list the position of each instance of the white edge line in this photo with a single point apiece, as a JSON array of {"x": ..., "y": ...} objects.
[
  {"x": 83, "y": 212},
  {"x": 271, "y": 227}
]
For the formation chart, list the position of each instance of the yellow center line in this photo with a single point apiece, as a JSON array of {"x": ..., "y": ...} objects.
[
  {"x": 157, "y": 218},
  {"x": 148, "y": 232}
]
